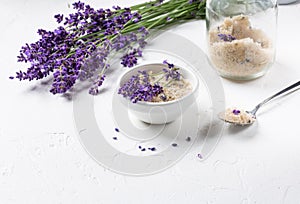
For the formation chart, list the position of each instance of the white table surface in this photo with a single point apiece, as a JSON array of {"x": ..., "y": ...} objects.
[{"x": 42, "y": 160}]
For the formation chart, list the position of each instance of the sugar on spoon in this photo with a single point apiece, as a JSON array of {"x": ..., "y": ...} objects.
[{"x": 241, "y": 117}]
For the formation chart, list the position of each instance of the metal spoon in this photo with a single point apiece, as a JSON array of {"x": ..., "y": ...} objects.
[{"x": 240, "y": 117}]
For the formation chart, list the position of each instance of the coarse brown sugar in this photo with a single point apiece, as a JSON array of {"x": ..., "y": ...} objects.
[{"x": 245, "y": 52}]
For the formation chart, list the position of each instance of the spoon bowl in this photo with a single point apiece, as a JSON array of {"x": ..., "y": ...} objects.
[{"x": 237, "y": 117}]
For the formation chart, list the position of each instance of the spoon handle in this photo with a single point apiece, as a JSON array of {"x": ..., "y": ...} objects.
[{"x": 274, "y": 96}]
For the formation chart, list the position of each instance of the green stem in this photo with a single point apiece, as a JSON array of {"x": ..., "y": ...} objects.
[
  {"x": 177, "y": 13},
  {"x": 159, "y": 79},
  {"x": 164, "y": 7},
  {"x": 153, "y": 17},
  {"x": 146, "y": 15},
  {"x": 169, "y": 82}
]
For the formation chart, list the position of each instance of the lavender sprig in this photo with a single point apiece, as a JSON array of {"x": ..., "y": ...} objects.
[
  {"x": 130, "y": 59},
  {"x": 171, "y": 72}
]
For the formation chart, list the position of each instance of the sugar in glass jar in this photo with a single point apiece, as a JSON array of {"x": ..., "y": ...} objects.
[{"x": 241, "y": 36}]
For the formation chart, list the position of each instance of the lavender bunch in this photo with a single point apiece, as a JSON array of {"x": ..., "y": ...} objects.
[
  {"x": 79, "y": 48},
  {"x": 141, "y": 87}
]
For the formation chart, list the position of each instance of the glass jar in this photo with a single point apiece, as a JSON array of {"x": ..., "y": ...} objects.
[{"x": 241, "y": 37}]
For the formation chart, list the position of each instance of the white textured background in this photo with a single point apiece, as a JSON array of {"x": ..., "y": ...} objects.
[{"x": 42, "y": 161}]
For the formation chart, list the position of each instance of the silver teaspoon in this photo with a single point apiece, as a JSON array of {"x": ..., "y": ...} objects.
[{"x": 241, "y": 117}]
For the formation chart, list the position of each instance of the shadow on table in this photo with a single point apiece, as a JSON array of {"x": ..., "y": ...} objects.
[
  {"x": 44, "y": 86},
  {"x": 245, "y": 132}
]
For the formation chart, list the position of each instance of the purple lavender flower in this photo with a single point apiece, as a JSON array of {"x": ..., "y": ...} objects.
[
  {"x": 66, "y": 51},
  {"x": 152, "y": 149},
  {"x": 146, "y": 92},
  {"x": 144, "y": 31},
  {"x": 226, "y": 38},
  {"x": 171, "y": 72},
  {"x": 100, "y": 80},
  {"x": 140, "y": 90},
  {"x": 170, "y": 65},
  {"x": 59, "y": 18},
  {"x": 94, "y": 90},
  {"x": 143, "y": 76},
  {"x": 130, "y": 59},
  {"x": 123, "y": 41},
  {"x": 120, "y": 42},
  {"x": 116, "y": 7},
  {"x": 96, "y": 62},
  {"x": 78, "y": 5},
  {"x": 236, "y": 112}
]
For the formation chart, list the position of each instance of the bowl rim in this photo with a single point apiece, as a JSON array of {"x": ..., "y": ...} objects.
[{"x": 195, "y": 87}]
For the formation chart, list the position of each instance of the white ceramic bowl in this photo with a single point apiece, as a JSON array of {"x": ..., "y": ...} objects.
[{"x": 160, "y": 112}]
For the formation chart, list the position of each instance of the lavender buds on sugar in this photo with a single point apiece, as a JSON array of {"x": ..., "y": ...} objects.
[
  {"x": 226, "y": 38},
  {"x": 139, "y": 88},
  {"x": 80, "y": 48},
  {"x": 161, "y": 86}
]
